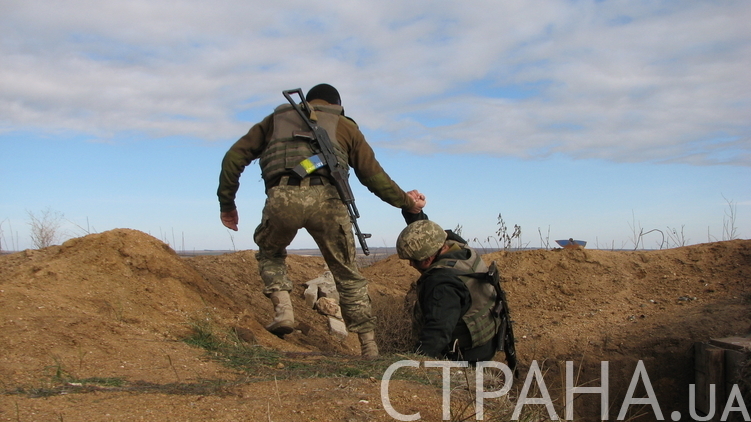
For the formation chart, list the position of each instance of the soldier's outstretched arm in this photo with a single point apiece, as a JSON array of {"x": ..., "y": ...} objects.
[
  {"x": 410, "y": 218},
  {"x": 415, "y": 213}
]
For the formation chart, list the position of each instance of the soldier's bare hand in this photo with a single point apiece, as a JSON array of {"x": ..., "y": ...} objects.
[
  {"x": 420, "y": 201},
  {"x": 230, "y": 219}
]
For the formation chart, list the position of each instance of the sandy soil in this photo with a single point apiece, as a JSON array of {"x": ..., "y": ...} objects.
[{"x": 117, "y": 305}]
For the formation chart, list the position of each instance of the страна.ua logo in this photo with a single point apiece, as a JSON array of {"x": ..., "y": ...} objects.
[{"x": 734, "y": 403}]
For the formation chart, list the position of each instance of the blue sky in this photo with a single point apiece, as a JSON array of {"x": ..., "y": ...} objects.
[{"x": 581, "y": 119}]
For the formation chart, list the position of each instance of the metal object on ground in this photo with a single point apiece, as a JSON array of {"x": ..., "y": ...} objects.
[{"x": 571, "y": 243}]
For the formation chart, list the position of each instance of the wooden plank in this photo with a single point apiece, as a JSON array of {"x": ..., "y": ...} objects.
[
  {"x": 709, "y": 363},
  {"x": 732, "y": 343},
  {"x": 734, "y": 361}
]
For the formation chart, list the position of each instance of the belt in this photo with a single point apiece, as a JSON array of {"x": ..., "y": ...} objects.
[{"x": 295, "y": 181}]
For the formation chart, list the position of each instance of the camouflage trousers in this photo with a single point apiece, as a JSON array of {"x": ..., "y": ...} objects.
[{"x": 319, "y": 210}]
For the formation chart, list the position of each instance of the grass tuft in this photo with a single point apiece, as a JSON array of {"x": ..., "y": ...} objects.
[
  {"x": 258, "y": 363},
  {"x": 394, "y": 330}
]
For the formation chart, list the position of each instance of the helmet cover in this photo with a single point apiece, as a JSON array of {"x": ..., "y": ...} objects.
[{"x": 420, "y": 240}]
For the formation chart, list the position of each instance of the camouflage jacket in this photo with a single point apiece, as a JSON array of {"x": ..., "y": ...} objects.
[{"x": 360, "y": 157}]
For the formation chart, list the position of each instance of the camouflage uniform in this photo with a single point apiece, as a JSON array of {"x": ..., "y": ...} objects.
[{"x": 305, "y": 204}]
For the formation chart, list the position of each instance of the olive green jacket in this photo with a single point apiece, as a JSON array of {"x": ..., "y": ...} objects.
[{"x": 360, "y": 157}]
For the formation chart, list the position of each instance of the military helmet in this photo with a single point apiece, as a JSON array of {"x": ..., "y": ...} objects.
[{"x": 420, "y": 240}]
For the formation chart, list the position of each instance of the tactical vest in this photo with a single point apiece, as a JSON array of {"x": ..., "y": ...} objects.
[
  {"x": 479, "y": 319},
  {"x": 285, "y": 150}
]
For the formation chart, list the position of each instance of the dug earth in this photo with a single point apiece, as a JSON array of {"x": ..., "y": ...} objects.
[{"x": 108, "y": 327}]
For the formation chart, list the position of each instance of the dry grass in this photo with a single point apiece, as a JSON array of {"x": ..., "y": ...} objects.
[
  {"x": 394, "y": 331},
  {"x": 45, "y": 228}
]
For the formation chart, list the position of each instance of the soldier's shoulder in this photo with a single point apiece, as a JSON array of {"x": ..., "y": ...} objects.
[{"x": 349, "y": 121}]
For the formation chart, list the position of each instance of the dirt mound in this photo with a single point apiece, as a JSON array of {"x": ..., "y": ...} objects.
[
  {"x": 110, "y": 303},
  {"x": 117, "y": 304},
  {"x": 589, "y": 306}
]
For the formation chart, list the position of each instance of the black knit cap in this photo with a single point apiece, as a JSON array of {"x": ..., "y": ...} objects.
[{"x": 324, "y": 92}]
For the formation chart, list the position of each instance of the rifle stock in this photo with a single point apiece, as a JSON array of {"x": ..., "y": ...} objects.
[
  {"x": 505, "y": 335},
  {"x": 327, "y": 157}
]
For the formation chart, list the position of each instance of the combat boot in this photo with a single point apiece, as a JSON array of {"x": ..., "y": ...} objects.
[
  {"x": 284, "y": 318},
  {"x": 368, "y": 347}
]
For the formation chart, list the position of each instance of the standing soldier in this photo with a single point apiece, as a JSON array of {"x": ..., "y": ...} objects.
[{"x": 282, "y": 141}]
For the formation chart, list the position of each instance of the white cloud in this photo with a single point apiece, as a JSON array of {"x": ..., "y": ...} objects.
[{"x": 617, "y": 80}]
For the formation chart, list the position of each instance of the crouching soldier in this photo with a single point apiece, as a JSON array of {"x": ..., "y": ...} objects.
[{"x": 460, "y": 311}]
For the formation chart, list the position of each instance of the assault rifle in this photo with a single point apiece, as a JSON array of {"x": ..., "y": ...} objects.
[
  {"x": 505, "y": 336},
  {"x": 326, "y": 156}
]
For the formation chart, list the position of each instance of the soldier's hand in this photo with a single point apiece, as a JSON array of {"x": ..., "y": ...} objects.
[
  {"x": 419, "y": 199},
  {"x": 230, "y": 219}
]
